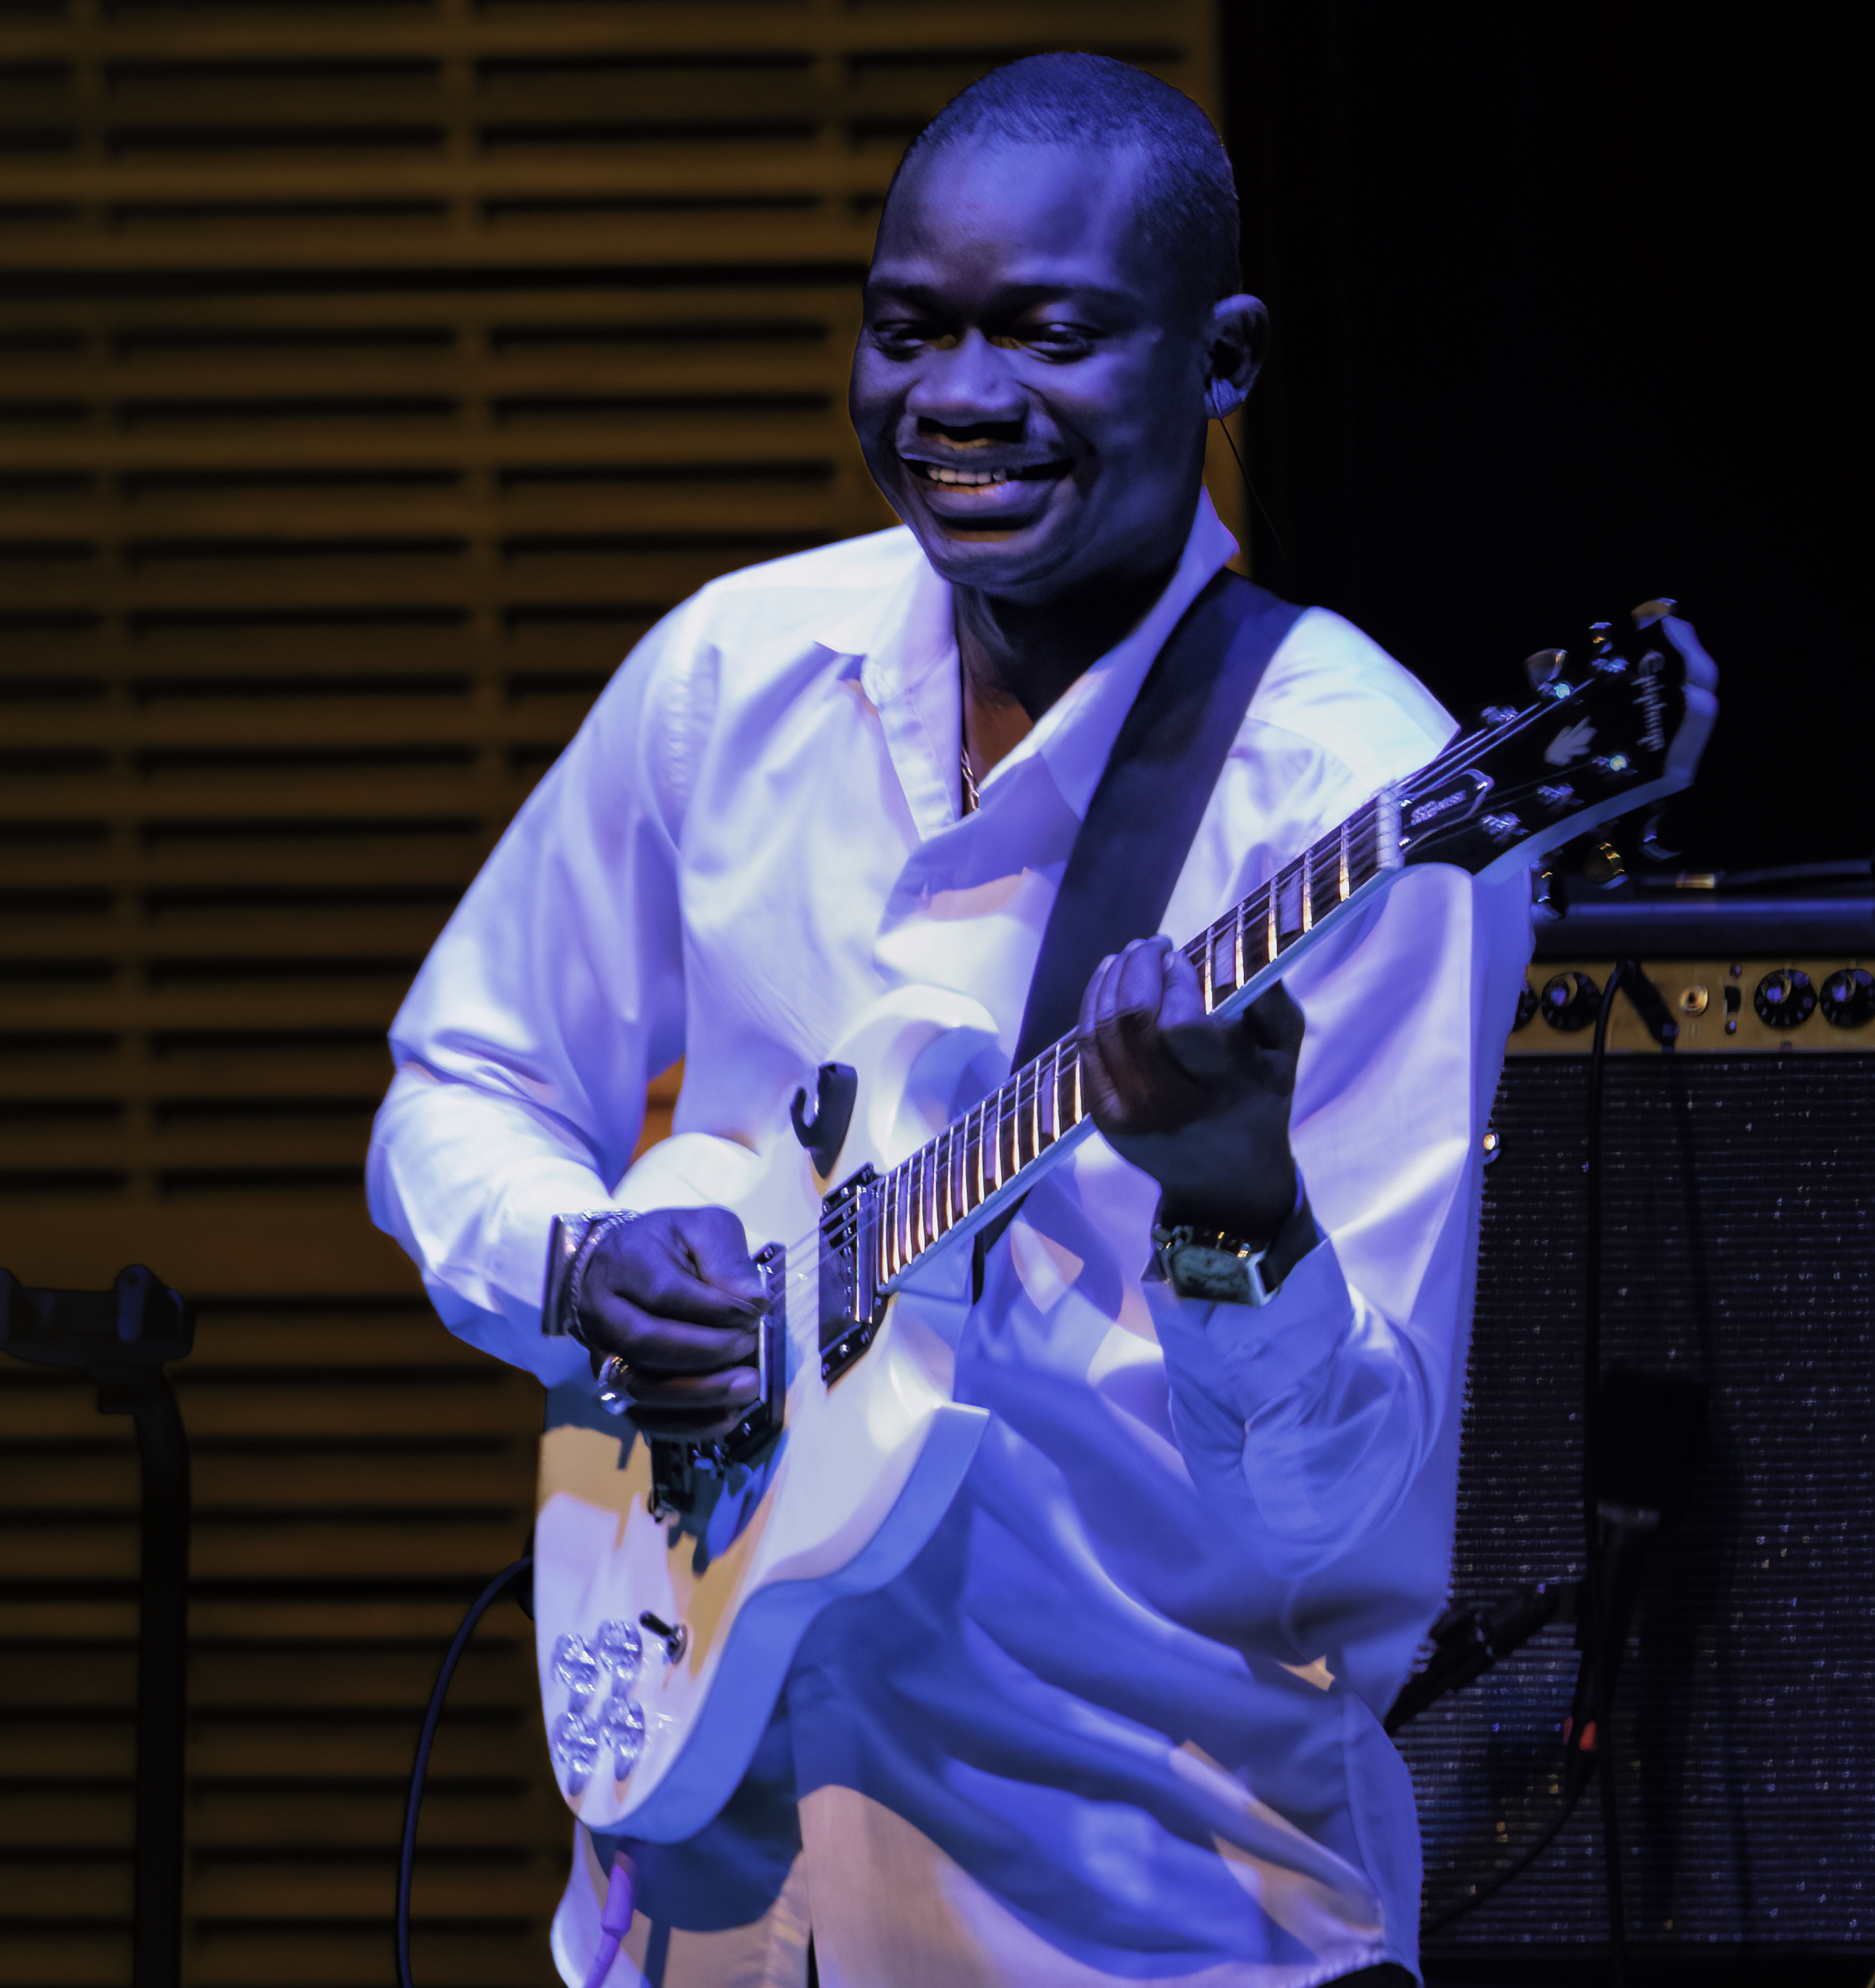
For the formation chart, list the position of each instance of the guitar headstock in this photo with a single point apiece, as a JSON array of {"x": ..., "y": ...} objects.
[{"x": 1616, "y": 724}]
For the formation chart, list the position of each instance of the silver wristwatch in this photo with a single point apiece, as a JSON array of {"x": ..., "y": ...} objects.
[
  {"x": 1214, "y": 1266},
  {"x": 570, "y": 1246}
]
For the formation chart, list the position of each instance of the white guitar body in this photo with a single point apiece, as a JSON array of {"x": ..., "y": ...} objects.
[
  {"x": 863, "y": 1471},
  {"x": 720, "y": 1589}
]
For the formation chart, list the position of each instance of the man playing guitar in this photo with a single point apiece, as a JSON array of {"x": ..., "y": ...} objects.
[{"x": 1118, "y": 1722}]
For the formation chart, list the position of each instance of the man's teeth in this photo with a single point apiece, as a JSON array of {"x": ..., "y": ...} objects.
[{"x": 962, "y": 479}]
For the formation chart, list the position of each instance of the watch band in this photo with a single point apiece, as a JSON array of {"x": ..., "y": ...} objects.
[
  {"x": 1219, "y": 1268},
  {"x": 570, "y": 1245}
]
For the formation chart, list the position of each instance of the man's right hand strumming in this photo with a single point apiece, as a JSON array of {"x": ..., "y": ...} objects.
[{"x": 675, "y": 1296}]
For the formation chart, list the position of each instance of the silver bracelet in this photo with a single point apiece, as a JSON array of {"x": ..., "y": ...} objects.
[{"x": 571, "y": 1245}]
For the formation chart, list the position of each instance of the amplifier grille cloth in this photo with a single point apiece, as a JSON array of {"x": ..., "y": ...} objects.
[{"x": 1740, "y": 1198}]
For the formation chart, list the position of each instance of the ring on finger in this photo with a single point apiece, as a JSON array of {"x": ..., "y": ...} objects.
[{"x": 614, "y": 1385}]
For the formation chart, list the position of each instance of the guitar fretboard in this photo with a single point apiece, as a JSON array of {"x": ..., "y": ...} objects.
[{"x": 923, "y": 1198}]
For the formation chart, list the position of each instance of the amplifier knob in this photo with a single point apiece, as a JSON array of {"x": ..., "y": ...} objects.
[
  {"x": 1849, "y": 997},
  {"x": 1569, "y": 1001},
  {"x": 1527, "y": 1005},
  {"x": 1785, "y": 999}
]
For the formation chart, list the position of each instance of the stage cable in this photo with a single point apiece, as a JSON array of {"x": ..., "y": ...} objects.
[
  {"x": 1496, "y": 1882},
  {"x": 1600, "y": 1652},
  {"x": 511, "y": 1576},
  {"x": 1583, "y": 1760}
]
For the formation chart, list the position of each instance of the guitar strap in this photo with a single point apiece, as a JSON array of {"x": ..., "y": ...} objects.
[{"x": 1140, "y": 825}]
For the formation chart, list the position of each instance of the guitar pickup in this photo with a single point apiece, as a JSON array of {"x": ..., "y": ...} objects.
[{"x": 850, "y": 1308}]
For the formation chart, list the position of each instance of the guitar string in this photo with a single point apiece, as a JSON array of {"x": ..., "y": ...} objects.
[
  {"x": 1066, "y": 1050},
  {"x": 1460, "y": 756},
  {"x": 802, "y": 1255},
  {"x": 1464, "y": 750}
]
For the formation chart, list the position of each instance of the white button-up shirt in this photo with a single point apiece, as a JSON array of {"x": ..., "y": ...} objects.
[{"x": 1119, "y": 1721}]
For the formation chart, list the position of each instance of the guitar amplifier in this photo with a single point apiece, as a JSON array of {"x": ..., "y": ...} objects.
[{"x": 1738, "y": 1249}]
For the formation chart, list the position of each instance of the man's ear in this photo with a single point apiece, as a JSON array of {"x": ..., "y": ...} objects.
[{"x": 1239, "y": 338}]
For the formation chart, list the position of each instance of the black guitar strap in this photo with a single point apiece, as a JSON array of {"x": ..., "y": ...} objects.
[
  {"x": 1157, "y": 783},
  {"x": 1140, "y": 825}
]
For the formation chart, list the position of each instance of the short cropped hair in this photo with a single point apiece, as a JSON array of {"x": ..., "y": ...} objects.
[{"x": 1188, "y": 203}]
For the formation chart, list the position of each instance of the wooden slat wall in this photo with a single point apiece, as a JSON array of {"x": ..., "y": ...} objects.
[{"x": 371, "y": 376}]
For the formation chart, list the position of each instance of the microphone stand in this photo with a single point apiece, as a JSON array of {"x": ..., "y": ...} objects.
[{"x": 122, "y": 1339}]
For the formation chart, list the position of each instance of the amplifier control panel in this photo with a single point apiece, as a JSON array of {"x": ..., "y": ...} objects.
[{"x": 1795, "y": 1007}]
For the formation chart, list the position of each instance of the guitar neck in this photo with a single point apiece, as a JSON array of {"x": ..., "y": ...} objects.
[
  {"x": 1622, "y": 728},
  {"x": 954, "y": 1184}
]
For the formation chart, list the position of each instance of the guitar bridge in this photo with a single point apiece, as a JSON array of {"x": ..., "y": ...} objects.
[
  {"x": 851, "y": 1308},
  {"x": 676, "y": 1465},
  {"x": 763, "y": 1421}
]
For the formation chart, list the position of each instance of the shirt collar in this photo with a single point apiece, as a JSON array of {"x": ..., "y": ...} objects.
[
  {"x": 904, "y": 639},
  {"x": 1076, "y": 733}
]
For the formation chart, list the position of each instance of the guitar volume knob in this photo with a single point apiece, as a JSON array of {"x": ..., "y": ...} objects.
[
  {"x": 621, "y": 1725},
  {"x": 1784, "y": 998},
  {"x": 575, "y": 1666},
  {"x": 620, "y": 1649},
  {"x": 1849, "y": 997},
  {"x": 574, "y": 1743}
]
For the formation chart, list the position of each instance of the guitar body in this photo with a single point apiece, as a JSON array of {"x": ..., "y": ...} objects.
[
  {"x": 857, "y": 1480},
  {"x": 673, "y": 1582}
]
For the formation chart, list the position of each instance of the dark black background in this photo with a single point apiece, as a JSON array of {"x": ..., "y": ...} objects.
[{"x": 1564, "y": 320}]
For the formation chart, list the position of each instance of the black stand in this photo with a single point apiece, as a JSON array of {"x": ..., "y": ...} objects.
[
  {"x": 1466, "y": 1642},
  {"x": 122, "y": 1339}
]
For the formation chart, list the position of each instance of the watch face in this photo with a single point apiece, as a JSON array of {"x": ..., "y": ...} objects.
[{"x": 1197, "y": 1271}]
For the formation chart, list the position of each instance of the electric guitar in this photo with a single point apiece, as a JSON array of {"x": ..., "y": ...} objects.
[{"x": 673, "y": 1581}]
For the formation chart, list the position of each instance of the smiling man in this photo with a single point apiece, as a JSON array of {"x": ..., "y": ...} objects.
[
  {"x": 1032, "y": 381},
  {"x": 1118, "y": 1720}
]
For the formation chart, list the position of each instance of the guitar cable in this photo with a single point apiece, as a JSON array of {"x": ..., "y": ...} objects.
[
  {"x": 614, "y": 1920},
  {"x": 1601, "y": 1652},
  {"x": 518, "y": 1574}
]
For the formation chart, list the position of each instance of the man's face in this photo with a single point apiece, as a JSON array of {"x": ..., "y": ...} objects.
[{"x": 1029, "y": 384}]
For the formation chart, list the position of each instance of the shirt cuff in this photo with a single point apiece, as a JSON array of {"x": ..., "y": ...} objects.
[{"x": 1244, "y": 1356}]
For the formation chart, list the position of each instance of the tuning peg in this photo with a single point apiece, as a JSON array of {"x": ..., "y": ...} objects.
[
  {"x": 1650, "y": 611},
  {"x": 1651, "y": 846},
  {"x": 1548, "y": 894},
  {"x": 1603, "y": 868},
  {"x": 1544, "y": 667}
]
